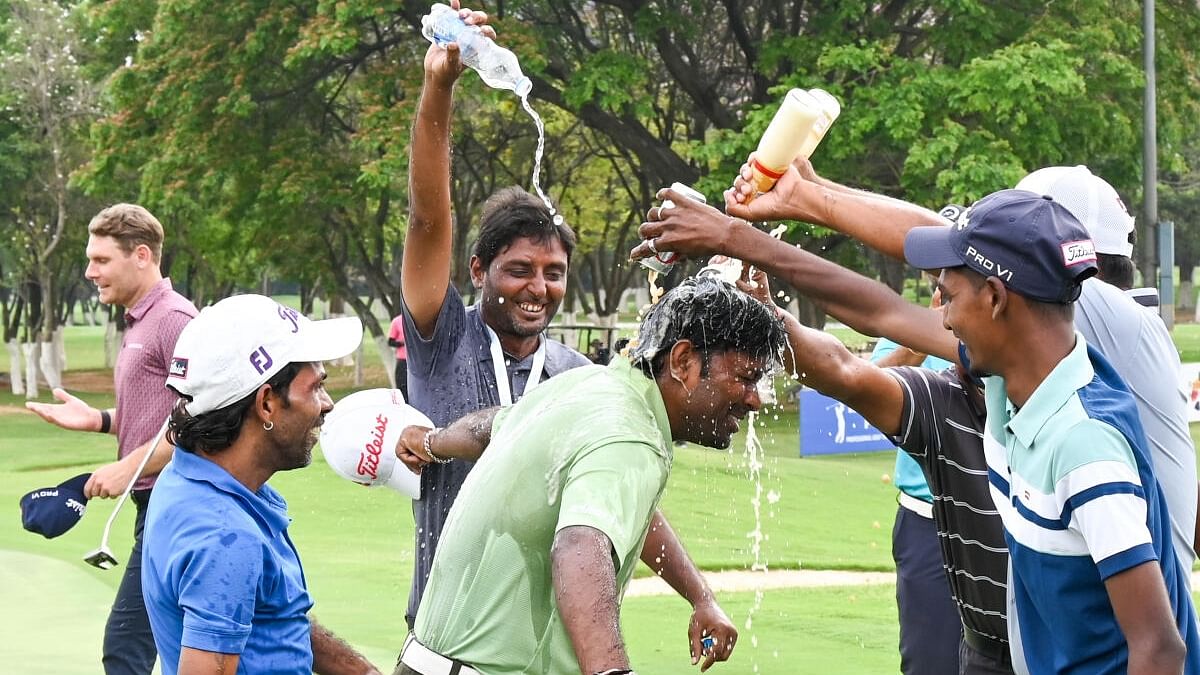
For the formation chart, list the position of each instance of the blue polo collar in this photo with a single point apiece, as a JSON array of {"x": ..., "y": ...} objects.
[
  {"x": 1071, "y": 374},
  {"x": 267, "y": 506}
]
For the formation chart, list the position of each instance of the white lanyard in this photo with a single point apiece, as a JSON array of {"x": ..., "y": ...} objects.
[{"x": 535, "y": 370}]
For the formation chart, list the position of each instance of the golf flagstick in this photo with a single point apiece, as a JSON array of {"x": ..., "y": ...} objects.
[{"x": 103, "y": 557}]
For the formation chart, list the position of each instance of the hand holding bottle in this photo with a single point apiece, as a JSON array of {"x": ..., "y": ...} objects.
[
  {"x": 796, "y": 195},
  {"x": 447, "y": 26},
  {"x": 443, "y": 62}
]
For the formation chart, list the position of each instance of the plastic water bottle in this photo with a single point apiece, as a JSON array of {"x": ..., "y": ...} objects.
[
  {"x": 663, "y": 261},
  {"x": 497, "y": 66},
  {"x": 795, "y": 131}
]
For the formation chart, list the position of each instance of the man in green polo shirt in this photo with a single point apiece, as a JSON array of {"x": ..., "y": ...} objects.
[{"x": 548, "y": 527}]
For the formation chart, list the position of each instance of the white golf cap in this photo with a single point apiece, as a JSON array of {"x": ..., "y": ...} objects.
[
  {"x": 359, "y": 439},
  {"x": 1091, "y": 200},
  {"x": 235, "y": 346}
]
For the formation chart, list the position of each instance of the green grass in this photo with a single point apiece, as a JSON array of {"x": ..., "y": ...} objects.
[
  {"x": 356, "y": 544},
  {"x": 1187, "y": 340}
]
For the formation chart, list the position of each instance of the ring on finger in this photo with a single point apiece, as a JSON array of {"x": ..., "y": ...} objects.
[{"x": 650, "y": 245}]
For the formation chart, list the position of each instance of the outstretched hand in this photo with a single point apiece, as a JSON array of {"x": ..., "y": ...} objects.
[
  {"x": 688, "y": 228},
  {"x": 444, "y": 64},
  {"x": 72, "y": 413}
]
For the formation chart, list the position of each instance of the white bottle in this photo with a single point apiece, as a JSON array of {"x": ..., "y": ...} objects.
[
  {"x": 497, "y": 66},
  {"x": 784, "y": 138},
  {"x": 662, "y": 261},
  {"x": 830, "y": 109}
]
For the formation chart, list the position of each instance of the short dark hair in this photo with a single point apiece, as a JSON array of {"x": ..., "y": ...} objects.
[
  {"x": 216, "y": 430},
  {"x": 715, "y": 317},
  {"x": 513, "y": 213},
  {"x": 1115, "y": 269}
]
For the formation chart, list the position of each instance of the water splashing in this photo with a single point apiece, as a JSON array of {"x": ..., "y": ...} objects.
[
  {"x": 537, "y": 159},
  {"x": 754, "y": 461}
]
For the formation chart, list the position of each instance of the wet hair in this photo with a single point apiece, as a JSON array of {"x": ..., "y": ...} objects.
[
  {"x": 715, "y": 317},
  {"x": 1115, "y": 269},
  {"x": 216, "y": 430},
  {"x": 130, "y": 226},
  {"x": 511, "y": 214}
]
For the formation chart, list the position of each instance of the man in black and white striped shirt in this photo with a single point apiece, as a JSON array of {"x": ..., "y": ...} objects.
[{"x": 934, "y": 416}]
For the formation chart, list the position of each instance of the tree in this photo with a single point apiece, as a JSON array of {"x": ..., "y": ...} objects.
[
  {"x": 51, "y": 105},
  {"x": 279, "y": 131}
]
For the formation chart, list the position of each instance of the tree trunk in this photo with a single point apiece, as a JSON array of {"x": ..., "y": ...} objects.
[
  {"x": 1187, "y": 292},
  {"x": 15, "y": 367},
  {"x": 30, "y": 349}
]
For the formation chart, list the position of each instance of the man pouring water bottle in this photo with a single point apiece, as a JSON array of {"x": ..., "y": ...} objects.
[{"x": 463, "y": 359}]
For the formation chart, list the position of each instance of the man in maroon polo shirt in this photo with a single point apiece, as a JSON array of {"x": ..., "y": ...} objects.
[{"x": 124, "y": 248}]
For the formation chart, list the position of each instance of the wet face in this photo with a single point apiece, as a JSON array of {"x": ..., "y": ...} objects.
[
  {"x": 522, "y": 287},
  {"x": 967, "y": 311},
  {"x": 116, "y": 274},
  {"x": 723, "y": 397},
  {"x": 298, "y": 420}
]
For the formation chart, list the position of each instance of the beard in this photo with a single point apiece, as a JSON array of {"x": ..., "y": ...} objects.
[{"x": 504, "y": 316}]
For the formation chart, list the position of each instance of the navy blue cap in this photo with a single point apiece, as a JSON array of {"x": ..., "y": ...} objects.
[
  {"x": 54, "y": 510},
  {"x": 1029, "y": 241}
]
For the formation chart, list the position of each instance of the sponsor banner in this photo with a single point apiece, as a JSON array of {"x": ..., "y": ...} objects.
[{"x": 829, "y": 427}]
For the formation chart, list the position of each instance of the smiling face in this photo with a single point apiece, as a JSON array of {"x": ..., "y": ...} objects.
[
  {"x": 724, "y": 395},
  {"x": 298, "y": 424},
  {"x": 119, "y": 277},
  {"x": 522, "y": 289},
  {"x": 967, "y": 311}
]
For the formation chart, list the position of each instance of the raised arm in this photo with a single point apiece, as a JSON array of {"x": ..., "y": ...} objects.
[
  {"x": 867, "y": 306},
  {"x": 822, "y": 362},
  {"x": 877, "y": 221},
  {"x": 425, "y": 274}
]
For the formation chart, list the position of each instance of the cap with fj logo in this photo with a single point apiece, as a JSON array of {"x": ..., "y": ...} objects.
[
  {"x": 1028, "y": 241},
  {"x": 235, "y": 346}
]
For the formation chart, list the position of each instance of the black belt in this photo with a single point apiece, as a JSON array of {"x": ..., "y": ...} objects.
[{"x": 994, "y": 649}]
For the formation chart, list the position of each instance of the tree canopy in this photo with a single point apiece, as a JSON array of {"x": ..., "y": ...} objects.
[{"x": 272, "y": 138}]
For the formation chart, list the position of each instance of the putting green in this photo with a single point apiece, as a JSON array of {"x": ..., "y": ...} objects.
[
  {"x": 55, "y": 617},
  {"x": 54, "y": 623}
]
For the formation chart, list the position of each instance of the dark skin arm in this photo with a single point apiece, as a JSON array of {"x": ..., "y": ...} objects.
[
  {"x": 332, "y": 656},
  {"x": 200, "y": 662},
  {"x": 664, "y": 554},
  {"x": 876, "y": 220},
  {"x": 871, "y": 308},
  {"x": 1139, "y": 601},
  {"x": 585, "y": 589},
  {"x": 662, "y": 551},
  {"x": 823, "y": 363},
  {"x": 425, "y": 274}
]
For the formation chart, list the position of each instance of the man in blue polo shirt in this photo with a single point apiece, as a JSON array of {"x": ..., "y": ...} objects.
[
  {"x": 1096, "y": 584},
  {"x": 223, "y": 583}
]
